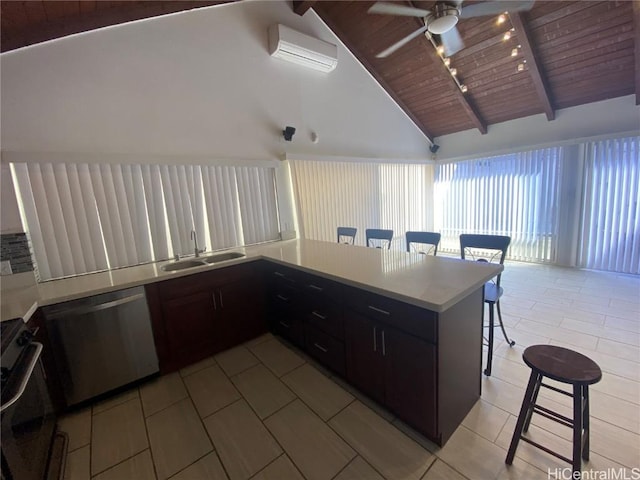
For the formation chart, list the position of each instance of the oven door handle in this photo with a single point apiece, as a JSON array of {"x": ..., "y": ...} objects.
[{"x": 35, "y": 356}]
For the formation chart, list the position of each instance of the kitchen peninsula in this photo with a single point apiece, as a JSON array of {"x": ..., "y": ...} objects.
[{"x": 406, "y": 329}]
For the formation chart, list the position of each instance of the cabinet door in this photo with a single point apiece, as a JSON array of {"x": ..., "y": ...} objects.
[
  {"x": 365, "y": 369},
  {"x": 241, "y": 309},
  {"x": 410, "y": 379},
  {"x": 190, "y": 326}
]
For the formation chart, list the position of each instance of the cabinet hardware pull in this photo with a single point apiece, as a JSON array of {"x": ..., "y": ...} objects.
[
  {"x": 284, "y": 324},
  {"x": 316, "y": 314},
  {"x": 315, "y": 287},
  {"x": 283, "y": 298},
  {"x": 278, "y": 274},
  {"x": 221, "y": 302},
  {"x": 375, "y": 343},
  {"x": 384, "y": 345},
  {"x": 321, "y": 348},
  {"x": 215, "y": 304},
  {"x": 379, "y": 310}
]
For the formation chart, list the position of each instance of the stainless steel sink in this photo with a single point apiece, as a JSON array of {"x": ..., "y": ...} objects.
[
  {"x": 181, "y": 265},
  {"x": 222, "y": 257},
  {"x": 199, "y": 262}
]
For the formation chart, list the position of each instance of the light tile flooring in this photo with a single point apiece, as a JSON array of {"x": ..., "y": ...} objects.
[{"x": 264, "y": 411}]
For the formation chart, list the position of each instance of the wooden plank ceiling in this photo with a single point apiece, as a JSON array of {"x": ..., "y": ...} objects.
[{"x": 571, "y": 53}]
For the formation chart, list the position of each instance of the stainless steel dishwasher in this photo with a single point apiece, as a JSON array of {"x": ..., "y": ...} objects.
[{"x": 101, "y": 342}]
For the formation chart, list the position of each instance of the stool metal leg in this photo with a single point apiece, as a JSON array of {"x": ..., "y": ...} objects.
[
  {"x": 504, "y": 332},
  {"x": 577, "y": 429},
  {"x": 534, "y": 378},
  {"x": 487, "y": 371},
  {"x": 585, "y": 422}
]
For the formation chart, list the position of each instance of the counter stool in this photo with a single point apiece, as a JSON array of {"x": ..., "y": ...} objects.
[{"x": 566, "y": 366}]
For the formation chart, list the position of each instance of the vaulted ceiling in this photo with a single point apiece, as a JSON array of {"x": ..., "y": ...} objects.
[{"x": 570, "y": 53}]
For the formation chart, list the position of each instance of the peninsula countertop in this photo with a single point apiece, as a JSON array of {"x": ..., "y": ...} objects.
[{"x": 435, "y": 283}]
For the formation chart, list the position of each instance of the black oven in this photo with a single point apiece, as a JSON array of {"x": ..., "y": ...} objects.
[{"x": 28, "y": 418}]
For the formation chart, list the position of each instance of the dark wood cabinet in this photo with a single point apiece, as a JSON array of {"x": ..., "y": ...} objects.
[
  {"x": 394, "y": 368},
  {"x": 284, "y": 303},
  {"x": 201, "y": 314},
  {"x": 410, "y": 379},
  {"x": 363, "y": 348}
]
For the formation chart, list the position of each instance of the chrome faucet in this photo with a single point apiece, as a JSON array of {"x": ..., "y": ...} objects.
[{"x": 194, "y": 237}]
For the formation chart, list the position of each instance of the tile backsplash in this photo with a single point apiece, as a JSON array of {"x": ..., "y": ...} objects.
[{"x": 14, "y": 247}]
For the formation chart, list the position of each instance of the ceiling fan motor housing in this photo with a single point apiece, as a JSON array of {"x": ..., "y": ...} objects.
[{"x": 445, "y": 17}]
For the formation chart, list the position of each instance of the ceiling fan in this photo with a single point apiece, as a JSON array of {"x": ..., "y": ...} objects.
[{"x": 442, "y": 19}]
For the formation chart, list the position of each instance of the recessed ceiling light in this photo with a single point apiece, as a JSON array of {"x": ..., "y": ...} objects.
[
  {"x": 506, "y": 36},
  {"x": 463, "y": 88},
  {"x": 520, "y": 67},
  {"x": 501, "y": 19},
  {"x": 453, "y": 71},
  {"x": 514, "y": 52},
  {"x": 447, "y": 61}
]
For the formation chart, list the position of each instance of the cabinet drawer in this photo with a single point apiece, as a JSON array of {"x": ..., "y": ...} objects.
[
  {"x": 375, "y": 306},
  {"x": 411, "y": 319},
  {"x": 288, "y": 327},
  {"x": 326, "y": 349},
  {"x": 279, "y": 274},
  {"x": 327, "y": 318},
  {"x": 320, "y": 290}
]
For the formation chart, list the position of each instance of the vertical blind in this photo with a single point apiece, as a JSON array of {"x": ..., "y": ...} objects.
[
  {"x": 611, "y": 206},
  {"x": 362, "y": 195},
  {"x": 514, "y": 195},
  {"x": 89, "y": 217}
]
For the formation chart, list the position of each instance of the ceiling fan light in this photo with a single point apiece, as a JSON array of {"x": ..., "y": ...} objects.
[{"x": 446, "y": 22}]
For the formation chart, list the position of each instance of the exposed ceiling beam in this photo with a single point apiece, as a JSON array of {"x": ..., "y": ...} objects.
[
  {"x": 466, "y": 105},
  {"x": 365, "y": 63},
  {"x": 301, "y": 6},
  {"x": 636, "y": 29},
  {"x": 535, "y": 71}
]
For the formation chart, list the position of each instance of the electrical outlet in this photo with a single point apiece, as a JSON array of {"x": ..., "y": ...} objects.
[{"x": 5, "y": 267}]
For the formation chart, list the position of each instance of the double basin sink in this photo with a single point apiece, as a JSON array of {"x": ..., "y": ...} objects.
[{"x": 200, "y": 261}]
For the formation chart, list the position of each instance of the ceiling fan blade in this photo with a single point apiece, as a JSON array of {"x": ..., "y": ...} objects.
[
  {"x": 401, "y": 43},
  {"x": 389, "y": 8},
  {"x": 451, "y": 41},
  {"x": 495, "y": 8}
]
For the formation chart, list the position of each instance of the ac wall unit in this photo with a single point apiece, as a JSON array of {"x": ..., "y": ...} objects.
[{"x": 302, "y": 49}]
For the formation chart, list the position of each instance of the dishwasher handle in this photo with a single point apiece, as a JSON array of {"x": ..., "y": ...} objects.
[
  {"x": 22, "y": 386},
  {"x": 95, "y": 308}
]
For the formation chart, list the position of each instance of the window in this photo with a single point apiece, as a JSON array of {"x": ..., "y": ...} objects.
[
  {"x": 611, "y": 206},
  {"x": 89, "y": 217},
  {"x": 362, "y": 195},
  {"x": 514, "y": 195}
]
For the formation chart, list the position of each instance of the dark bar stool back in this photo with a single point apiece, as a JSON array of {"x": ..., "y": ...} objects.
[
  {"x": 566, "y": 366},
  {"x": 416, "y": 239},
  {"x": 492, "y": 249},
  {"x": 347, "y": 235},
  {"x": 381, "y": 235}
]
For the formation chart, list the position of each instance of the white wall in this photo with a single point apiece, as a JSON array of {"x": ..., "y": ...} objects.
[
  {"x": 609, "y": 117},
  {"x": 197, "y": 83}
]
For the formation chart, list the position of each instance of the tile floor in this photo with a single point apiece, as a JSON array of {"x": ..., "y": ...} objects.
[{"x": 264, "y": 411}]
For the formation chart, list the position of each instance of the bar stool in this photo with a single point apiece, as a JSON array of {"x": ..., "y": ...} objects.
[{"x": 566, "y": 366}]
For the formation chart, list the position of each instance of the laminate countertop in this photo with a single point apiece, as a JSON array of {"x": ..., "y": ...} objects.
[{"x": 435, "y": 283}]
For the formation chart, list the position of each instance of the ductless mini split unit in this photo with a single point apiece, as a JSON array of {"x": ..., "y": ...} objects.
[{"x": 302, "y": 49}]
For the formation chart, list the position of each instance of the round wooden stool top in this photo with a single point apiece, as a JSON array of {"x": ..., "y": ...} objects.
[{"x": 562, "y": 364}]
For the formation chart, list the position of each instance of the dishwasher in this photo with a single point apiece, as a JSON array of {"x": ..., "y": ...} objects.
[{"x": 100, "y": 343}]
